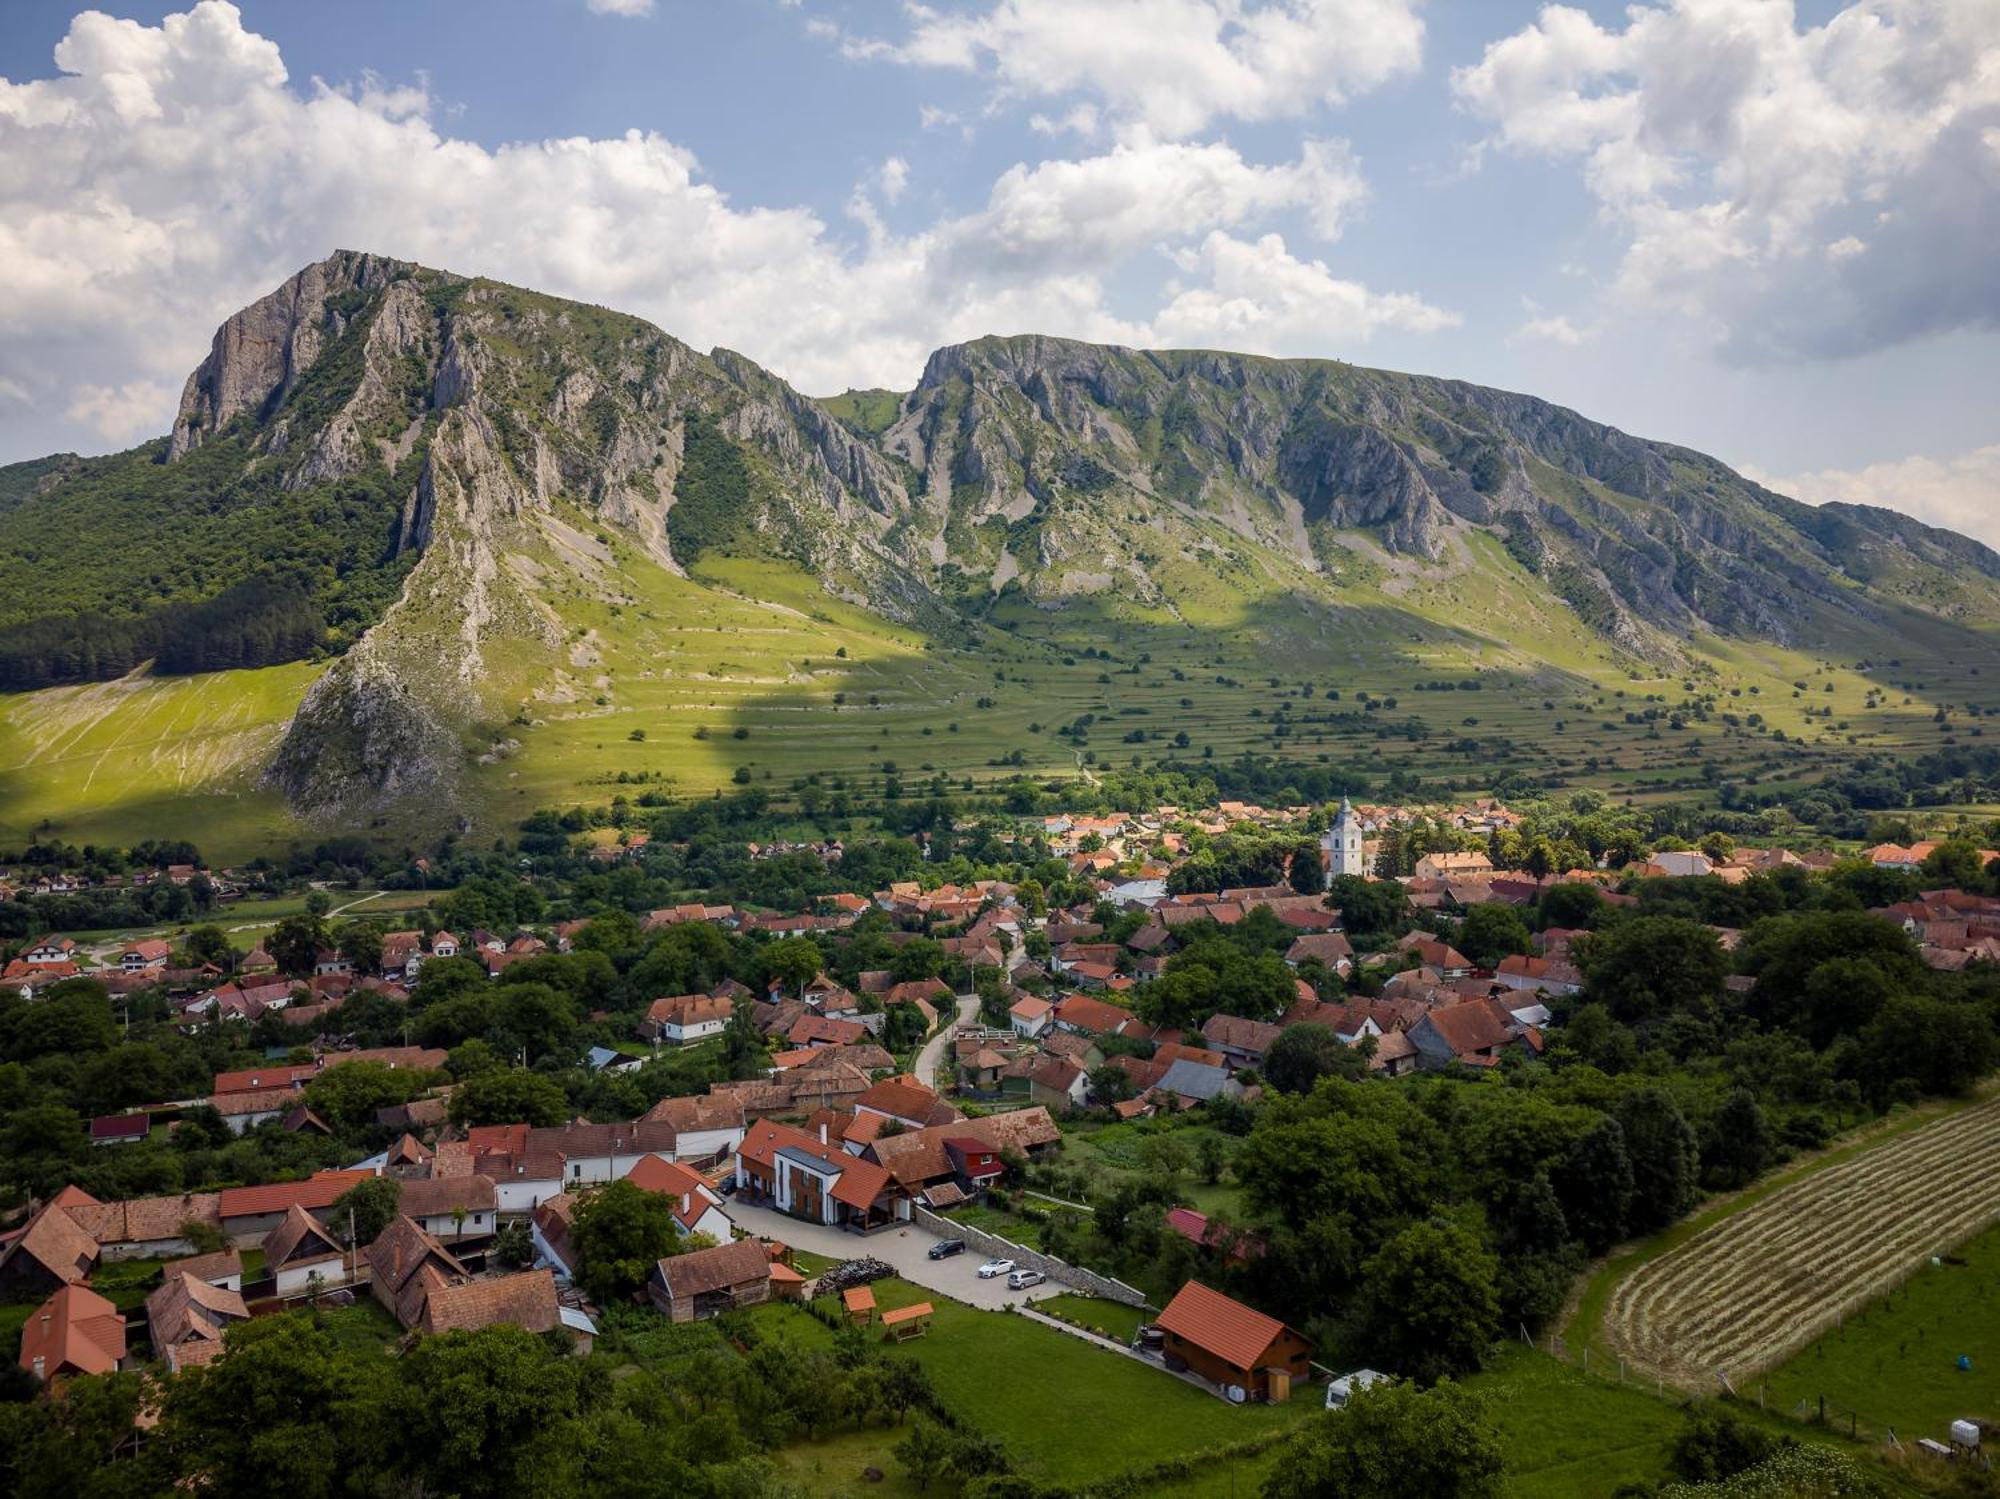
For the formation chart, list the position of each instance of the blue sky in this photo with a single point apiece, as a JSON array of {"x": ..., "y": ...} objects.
[{"x": 1758, "y": 229}]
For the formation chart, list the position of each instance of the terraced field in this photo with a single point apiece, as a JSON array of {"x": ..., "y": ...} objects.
[{"x": 1744, "y": 1294}]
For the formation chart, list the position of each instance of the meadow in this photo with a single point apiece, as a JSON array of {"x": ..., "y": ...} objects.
[{"x": 748, "y": 671}]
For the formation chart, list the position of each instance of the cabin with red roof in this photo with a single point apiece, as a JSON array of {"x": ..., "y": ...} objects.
[{"x": 1232, "y": 1346}]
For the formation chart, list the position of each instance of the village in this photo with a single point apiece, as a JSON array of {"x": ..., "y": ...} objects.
[{"x": 909, "y": 1124}]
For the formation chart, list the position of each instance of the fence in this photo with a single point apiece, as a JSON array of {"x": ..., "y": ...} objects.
[
  {"x": 1821, "y": 1411},
  {"x": 994, "y": 1247}
]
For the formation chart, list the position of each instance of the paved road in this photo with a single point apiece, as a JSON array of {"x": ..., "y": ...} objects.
[
  {"x": 904, "y": 1247},
  {"x": 934, "y": 1049}
]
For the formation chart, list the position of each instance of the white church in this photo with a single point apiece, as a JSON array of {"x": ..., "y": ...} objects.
[{"x": 1341, "y": 844}]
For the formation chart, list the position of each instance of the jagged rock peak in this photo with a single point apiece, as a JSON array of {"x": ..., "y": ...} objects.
[{"x": 260, "y": 353}]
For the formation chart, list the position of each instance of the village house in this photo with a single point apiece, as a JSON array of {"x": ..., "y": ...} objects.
[
  {"x": 697, "y": 1206},
  {"x": 301, "y": 1253},
  {"x": 120, "y": 1129},
  {"x": 222, "y": 1269},
  {"x": 430, "y": 1291},
  {"x": 707, "y": 1127},
  {"x": 1330, "y": 948},
  {"x": 186, "y": 1319},
  {"x": 1084, "y": 1016},
  {"x": 149, "y": 955},
  {"x": 685, "y": 1019},
  {"x": 1031, "y": 1017},
  {"x": 76, "y": 1331},
  {"x": 1551, "y": 975},
  {"x": 707, "y": 1282},
  {"x": 49, "y": 951},
  {"x": 452, "y": 1207},
  {"x": 1243, "y": 1043},
  {"x": 249, "y": 1213},
  {"x": 1469, "y": 1034},
  {"x": 1232, "y": 1346},
  {"x": 1056, "y": 1083},
  {"x": 811, "y": 1176},
  {"x": 905, "y": 1100},
  {"x": 1449, "y": 865}
]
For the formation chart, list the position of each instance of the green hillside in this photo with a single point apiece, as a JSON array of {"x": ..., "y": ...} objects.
[{"x": 492, "y": 551}]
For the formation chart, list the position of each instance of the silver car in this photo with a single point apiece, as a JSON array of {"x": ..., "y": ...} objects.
[
  {"x": 995, "y": 1267},
  {"x": 1020, "y": 1280}
]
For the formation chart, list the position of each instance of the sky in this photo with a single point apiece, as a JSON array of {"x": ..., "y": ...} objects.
[{"x": 1770, "y": 231}]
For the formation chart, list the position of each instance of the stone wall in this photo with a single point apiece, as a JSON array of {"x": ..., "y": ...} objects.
[{"x": 993, "y": 1247}]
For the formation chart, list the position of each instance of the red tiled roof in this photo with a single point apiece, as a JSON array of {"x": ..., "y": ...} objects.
[
  {"x": 317, "y": 1191},
  {"x": 74, "y": 1329},
  {"x": 1238, "y": 1335}
]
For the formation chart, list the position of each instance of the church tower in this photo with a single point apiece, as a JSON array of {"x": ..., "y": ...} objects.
[{"x": 1342, "y": 843}]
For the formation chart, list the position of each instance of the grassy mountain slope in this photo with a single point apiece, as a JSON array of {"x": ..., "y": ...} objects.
[{"x": 580, "y": 557}]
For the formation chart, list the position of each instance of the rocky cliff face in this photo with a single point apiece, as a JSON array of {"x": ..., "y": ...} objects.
[{"x": 1058, "y": 469}]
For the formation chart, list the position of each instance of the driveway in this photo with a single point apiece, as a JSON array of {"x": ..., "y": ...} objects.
[
  {"x": 904, "y": 1247},
  {"x": 934, "y": 1049}
]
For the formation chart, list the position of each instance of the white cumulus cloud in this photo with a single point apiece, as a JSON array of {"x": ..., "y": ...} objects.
[
  {"x": 1961, "y": 494},
  {"x": 1169, "y": 67},
  {"x": 173, "y": 173},
  {"x": 1791, "y": 191},
  {"x": 1258, "y": 297}
]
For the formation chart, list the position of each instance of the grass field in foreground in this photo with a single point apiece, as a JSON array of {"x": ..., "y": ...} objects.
[
  {"x": 1068, "y": 1410},
  {"x": 1896, "y": 1363}
]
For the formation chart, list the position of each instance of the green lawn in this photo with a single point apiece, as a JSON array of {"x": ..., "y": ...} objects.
[
  {"x": 1067, "y": 1410},
  {"x": 1113, "y": 1319},
  {"x": 1569, "y": 1435},
  {"x": 1896, "y": 1363}
]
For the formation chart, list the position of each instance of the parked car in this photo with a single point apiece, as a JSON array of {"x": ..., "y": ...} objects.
[
  {"x": 944, "y": 1248},
  {"x": 995, "y": 1267},
  {"x": 1020, "y": 1280}
]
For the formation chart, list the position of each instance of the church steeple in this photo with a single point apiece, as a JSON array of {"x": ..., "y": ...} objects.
[{"x": 1342, "y": 843}]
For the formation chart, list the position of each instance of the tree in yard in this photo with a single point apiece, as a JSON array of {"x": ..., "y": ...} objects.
[
  {"x": 1430, "y": 1303},
  {"x": 207, "y": 944},
  {"x": 906, "y": 1386},
  {"x": 1305, "y": 1053},
  {"x": 361, "y": 944},
  {"x": 1572, "y": 906},
  {"x": 513, "y": 1246},
  {"x": 792, "y": 961},
  {"x": 347, "y": 1096},
  {"x": 621, "y": 1232},
  {"x": 280, "y": 1415},
  {"x": 1393, "y": 1441},
  {"x": 1593, "y": 1186},
  {"x": 295, "y": 944},
  {"x": 1211, "y": 1158},
  {"x": 369, "y": 1206},
  {"x": 926, "y": 1452},
  {"x": 1165, "y": 1156},
  {"x": 1666, "y": 1159},
  {"x": 1490, "y": 933},
  {"x": 1738, "y": 1147},
  {"x": 1954, "y": 862},
  {"x": 1109, "y": 1084},
  {"x": 1369, "y": 910},
  {"x": 1650, "y": 967},
  {"x": 510, "y": 1097},
  {"x": 481, "y": 1414}
]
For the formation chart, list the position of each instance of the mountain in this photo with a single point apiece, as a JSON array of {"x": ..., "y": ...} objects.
[{"x": 497, "y": 515}]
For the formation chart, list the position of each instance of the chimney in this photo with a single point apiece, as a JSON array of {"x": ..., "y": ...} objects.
[{"x": 822, "y": 1134}]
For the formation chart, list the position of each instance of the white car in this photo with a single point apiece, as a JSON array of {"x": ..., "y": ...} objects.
[
  {"x": 995, "y": 1267},
  {"x": 1020, "y": 1280}
]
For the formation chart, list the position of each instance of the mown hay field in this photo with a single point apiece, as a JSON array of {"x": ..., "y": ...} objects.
[{"x": 1754, "y": 1287}]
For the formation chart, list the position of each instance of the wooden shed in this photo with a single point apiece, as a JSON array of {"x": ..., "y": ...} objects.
[{"x": 1231, "y": 1345}]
